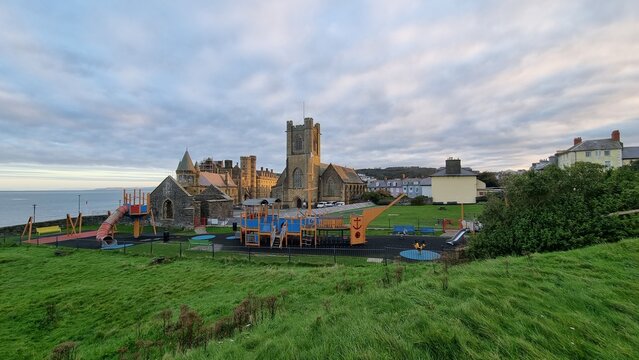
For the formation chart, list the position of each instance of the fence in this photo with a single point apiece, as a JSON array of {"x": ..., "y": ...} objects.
[{"x": 179, "y": 247}]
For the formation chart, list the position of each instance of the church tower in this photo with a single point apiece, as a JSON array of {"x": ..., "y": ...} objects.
[
  {"x": 302, "y": 162},
  {"x": 187, "y": 174}
]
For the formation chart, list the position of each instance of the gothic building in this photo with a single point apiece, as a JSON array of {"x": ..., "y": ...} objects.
[
  {"x": 306, "y": 176},
  {"x": 190, "y": 200}
]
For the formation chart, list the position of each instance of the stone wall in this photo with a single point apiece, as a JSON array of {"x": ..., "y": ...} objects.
[{"x": 181, "y": 202}]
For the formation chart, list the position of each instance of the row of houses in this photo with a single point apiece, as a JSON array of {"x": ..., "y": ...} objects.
[
  {"x": 452, "y": 183},
  {"x": 610, "y": 153}
]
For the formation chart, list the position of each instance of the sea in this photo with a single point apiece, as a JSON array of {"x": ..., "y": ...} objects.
[{"x": 17, "y": 206}]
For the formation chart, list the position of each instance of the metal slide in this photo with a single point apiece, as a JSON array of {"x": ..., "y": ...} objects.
[
  {"x": 104, "y": 232},
  {"x": 458, "y": 237}
]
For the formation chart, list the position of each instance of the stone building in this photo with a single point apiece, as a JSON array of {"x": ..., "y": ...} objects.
[
  {"x": 174, "y": 206},
  {"x": 305, "y": 173}
]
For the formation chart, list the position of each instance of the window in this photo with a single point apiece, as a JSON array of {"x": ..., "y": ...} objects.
[
  {"x": 297, "y": 178},
  {"x": 297, "y": 145},
  {"x": 331, "y": 187},
  {"x": 606, "y": 152},
  {"x": 607, "y": 164},
  {"x": 588, "y": 153},
  {"x": 167, "y": 209}
]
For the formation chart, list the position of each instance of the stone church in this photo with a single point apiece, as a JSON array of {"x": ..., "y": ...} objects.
[
  {"x": 304, "y": 171},
  {"x": 187, "y": 202}
]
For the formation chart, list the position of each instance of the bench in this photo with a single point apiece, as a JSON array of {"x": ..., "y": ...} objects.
[
  {"x": 403, "y": 229},
  {"x": 48, "y": 230},
  {"x": 427, "y": 230}
]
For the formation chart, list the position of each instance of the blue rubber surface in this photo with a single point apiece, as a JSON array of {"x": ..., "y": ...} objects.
[
  {"x": 232, "y": 237},
  {"x": 203, "y": 237},
  {"x": 425, "y": 255}
]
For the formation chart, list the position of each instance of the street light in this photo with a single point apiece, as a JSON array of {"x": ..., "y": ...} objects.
[{"x": 34, "y": 206}]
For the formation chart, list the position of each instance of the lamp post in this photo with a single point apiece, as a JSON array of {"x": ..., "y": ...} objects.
[
  {"x": 34, "y": 207},
  {"x": 79, "y": 204}
]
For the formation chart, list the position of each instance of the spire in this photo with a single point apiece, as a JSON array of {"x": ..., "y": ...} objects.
[{"x": 186, "y": 164}]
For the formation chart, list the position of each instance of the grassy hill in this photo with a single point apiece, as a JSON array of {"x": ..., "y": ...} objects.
[{"x": 577, "y": 304}]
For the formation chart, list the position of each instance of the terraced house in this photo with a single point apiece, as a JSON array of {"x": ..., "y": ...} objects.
[{"x": 606, "y": 152}]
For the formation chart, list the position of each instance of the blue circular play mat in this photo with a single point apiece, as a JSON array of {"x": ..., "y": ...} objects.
[
  {"x": 203, "y": 237},
  {"x": 424, "y": 255}
]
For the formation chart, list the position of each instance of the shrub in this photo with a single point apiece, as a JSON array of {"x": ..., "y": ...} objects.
[
  {"x": 557, "y": 210},
  {"x": 419, "y": 200}
]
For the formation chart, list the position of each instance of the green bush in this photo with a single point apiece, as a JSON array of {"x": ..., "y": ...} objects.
[
  {"x": 419, "y": 200},
  {"x": 557, "y": 210}
]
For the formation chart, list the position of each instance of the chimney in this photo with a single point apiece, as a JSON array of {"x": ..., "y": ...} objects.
[
  {"x": 453, "y": 166},
  {"x": 577, "y": 141},
  {"x": 616, "y": 135}
]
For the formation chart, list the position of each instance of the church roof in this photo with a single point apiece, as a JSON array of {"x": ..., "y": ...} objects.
[
  {"x": 215, "y": 179},
  {"x": 186, "y": 164},
  {"x": 171, "y": 179},
  {"x": 347, "y": 175},
  {"x": 212, "y": 193}
]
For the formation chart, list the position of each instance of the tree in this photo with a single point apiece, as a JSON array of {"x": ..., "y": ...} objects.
[
  {"x": 489, "y": 178},
  {"x": 557, "y": 209}
]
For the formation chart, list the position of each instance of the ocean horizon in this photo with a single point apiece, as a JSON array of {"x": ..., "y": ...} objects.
[{"x": 17, "y": 206}]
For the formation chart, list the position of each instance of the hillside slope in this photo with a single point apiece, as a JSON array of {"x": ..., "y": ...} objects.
[{"x": 577, "y": 304}]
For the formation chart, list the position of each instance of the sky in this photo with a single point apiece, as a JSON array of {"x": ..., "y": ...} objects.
[{"x": 111, "y": 93}]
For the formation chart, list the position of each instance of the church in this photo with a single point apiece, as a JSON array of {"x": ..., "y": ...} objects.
[{"x": 306, "y": 176}]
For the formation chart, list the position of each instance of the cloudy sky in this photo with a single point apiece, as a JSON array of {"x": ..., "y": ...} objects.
[{"x": 111, "y": 93}]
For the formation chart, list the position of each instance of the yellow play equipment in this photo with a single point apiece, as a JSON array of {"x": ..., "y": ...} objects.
[{"x": 359, "y": 223}]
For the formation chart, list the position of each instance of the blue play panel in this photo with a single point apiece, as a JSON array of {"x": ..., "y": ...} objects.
[
  {"x": 203, "y": 237},
  {"x": 115, "y": 247},
  {"x": 424, "y": 255}
]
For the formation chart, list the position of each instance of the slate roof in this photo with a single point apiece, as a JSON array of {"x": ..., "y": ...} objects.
[
  {"x": 260, "y": 201},
  {"x": 171, "y": 179},
  {"x": 347, "y": 175},
  {"x": 186, "y": 164},
  {"x": 630, "y": 152},
  {"x": 207, "y": 178},
  {"x": 464, "y": 172},
  {"x": 212, "y": 193},
  {"x": 599, "y": 144}
]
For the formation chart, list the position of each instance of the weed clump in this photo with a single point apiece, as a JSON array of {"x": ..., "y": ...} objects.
[{"x": 64, "y": 351}]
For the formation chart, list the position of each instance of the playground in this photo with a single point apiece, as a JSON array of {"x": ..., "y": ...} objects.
[{"x": 264, "y": 229}]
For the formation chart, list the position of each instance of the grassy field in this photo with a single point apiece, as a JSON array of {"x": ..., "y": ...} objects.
[
  {"x": 577, "y": 304},
  {"x": 425, "y": 215}
]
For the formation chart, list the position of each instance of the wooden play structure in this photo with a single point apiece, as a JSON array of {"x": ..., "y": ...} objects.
[
  {"x": 262, "y": 225},
  {"x": 72, "y": 227},
  {"x": 136, "y": 206}
]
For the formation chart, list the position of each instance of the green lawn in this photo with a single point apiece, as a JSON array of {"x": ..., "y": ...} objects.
[
  {"x": 425, "y": 215},
  {"x": 577, "y": 304}
]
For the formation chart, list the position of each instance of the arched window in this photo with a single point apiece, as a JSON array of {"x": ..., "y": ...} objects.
[
  {"x": 167, "y": 209},
  {"x": 331, "y": 187},
  {"x": 298, "y": 143},
  {"x": 297, "y": 178}
]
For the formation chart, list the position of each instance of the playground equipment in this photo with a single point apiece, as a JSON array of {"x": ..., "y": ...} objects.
[
  {"x": 262, "y": 224},
  {"x": 458, "y": 237},
  {"x": 53, "y": 229},
  {"x": 73, "y": 224},
  {"x": 359, "y": 223},
  {"x": 137, "y": 206}
]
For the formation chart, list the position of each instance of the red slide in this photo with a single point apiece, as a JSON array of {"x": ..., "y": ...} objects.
[{"x": 104, "y": 232}]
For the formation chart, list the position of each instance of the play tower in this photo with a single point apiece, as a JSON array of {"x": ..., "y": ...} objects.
[{"x": 137, "y": 206}]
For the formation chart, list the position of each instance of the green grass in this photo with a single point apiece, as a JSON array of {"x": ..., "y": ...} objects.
[
  {"x": 577, "y": 304},
  {"x": 418, "y": 216}
]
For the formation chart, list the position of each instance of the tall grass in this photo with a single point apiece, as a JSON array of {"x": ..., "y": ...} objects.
[{"x": 577, "y": 304}]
